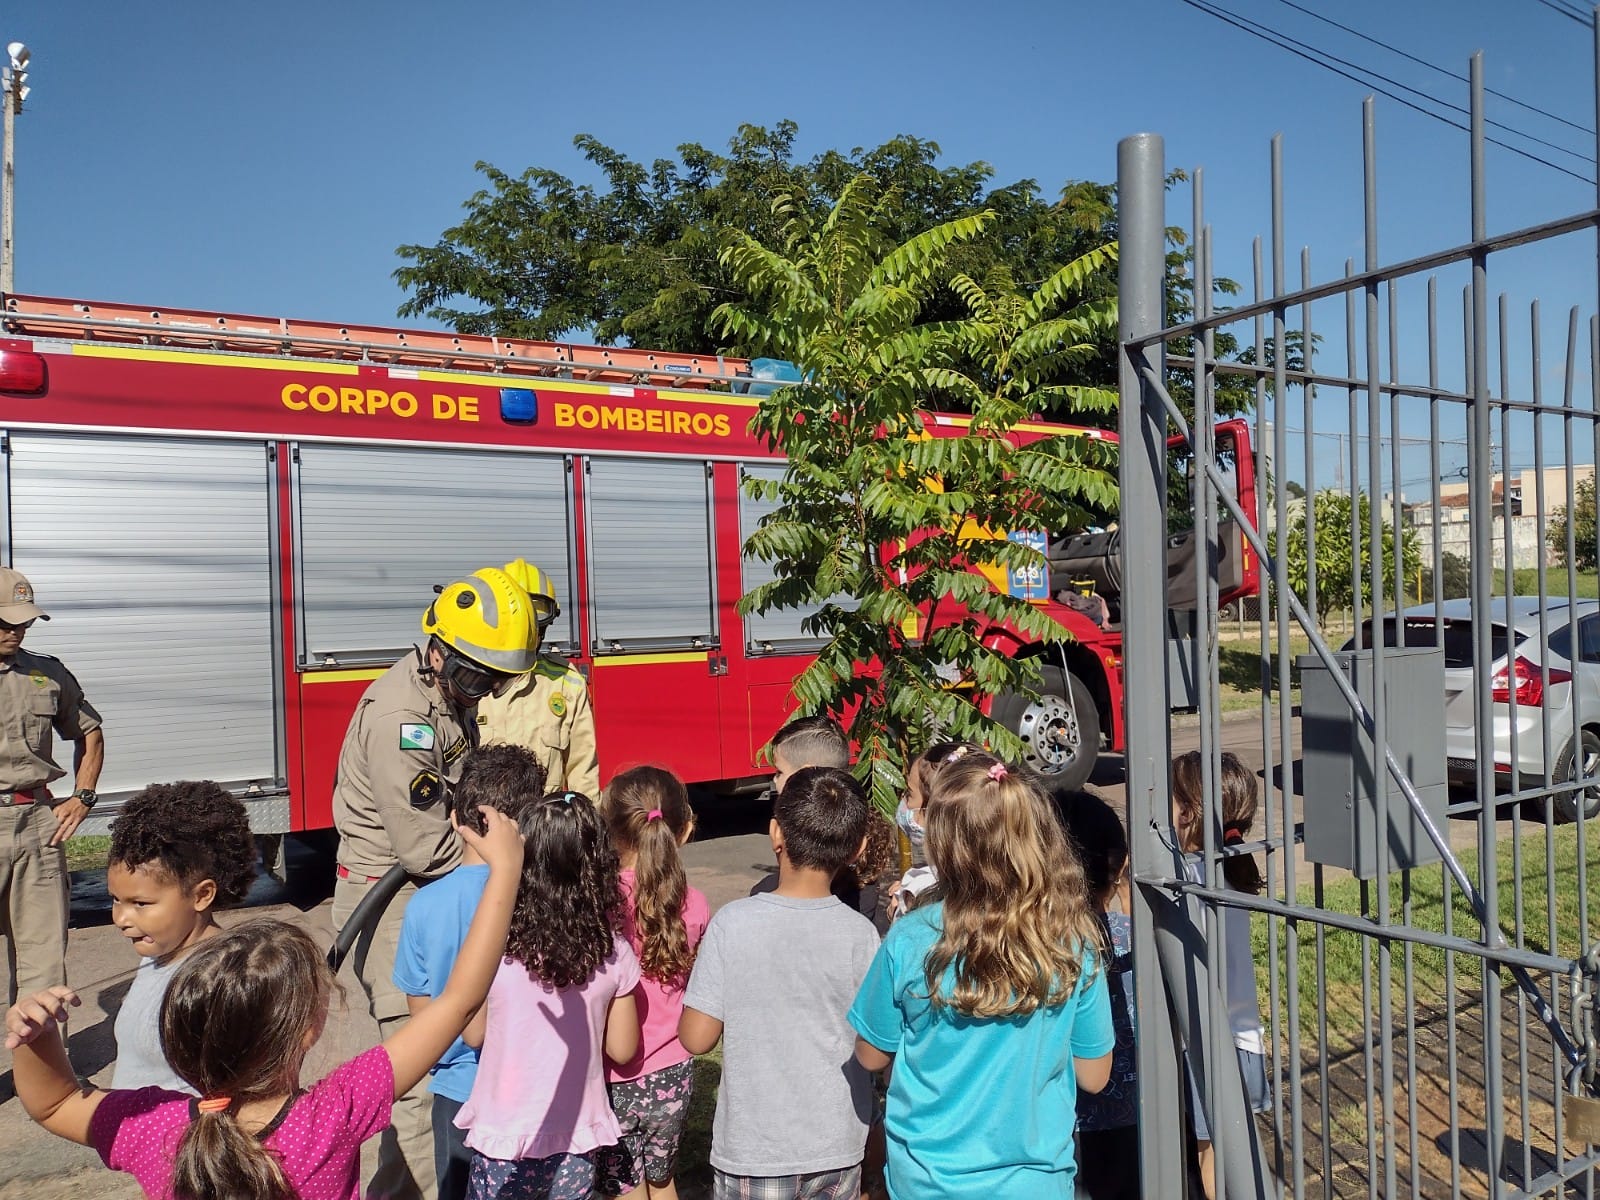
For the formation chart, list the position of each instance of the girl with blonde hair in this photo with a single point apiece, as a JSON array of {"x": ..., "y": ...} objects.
[{"x": 991, "y": 1001}]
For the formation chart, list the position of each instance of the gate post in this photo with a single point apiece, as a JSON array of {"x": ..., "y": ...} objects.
[{"x": 1142, "y": 427}]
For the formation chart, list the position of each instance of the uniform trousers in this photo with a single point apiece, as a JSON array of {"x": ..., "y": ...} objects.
[
  {"x": 405, "y": 1150},
  {"x": 33, "y": 899}
]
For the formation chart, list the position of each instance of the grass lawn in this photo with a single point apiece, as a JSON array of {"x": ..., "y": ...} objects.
[
  {"x": 1526, "y": 582},
  {"x": 1240, "y": 667},
  {"x": 86, "y": 853},
  {"x": 1523, "y": 902},
  {"x": 694, "y": 1150}
]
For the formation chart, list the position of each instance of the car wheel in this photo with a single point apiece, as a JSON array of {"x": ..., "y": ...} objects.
[
  {"x": 1060, "y": 730},
  {"x": 1569, "y": 767}
]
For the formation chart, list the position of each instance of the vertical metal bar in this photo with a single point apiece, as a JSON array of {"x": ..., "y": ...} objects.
[
  {"x": 1434, "y": 494},
  {"x": 1396, "y": 505},
  {"x": 1265, "y": 503},
  {"x": 1480, "y": 452},
  {"x": 1354, "y": 375},
  {"x": 1142, "y": 426},
  {"x": 1384, "y": 1112},
  {"x": 1509, "y": 558},
  {"x": 1309, "y": 402},
  {"x": 1280, "y": 405}
]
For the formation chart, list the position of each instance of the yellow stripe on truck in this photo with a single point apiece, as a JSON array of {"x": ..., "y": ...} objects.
[
  {"x": 364, "y": 676},
  {"x": 640, "y": 660}
]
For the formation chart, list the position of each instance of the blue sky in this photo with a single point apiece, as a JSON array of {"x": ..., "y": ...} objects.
[{"x": 268, "y": 159}]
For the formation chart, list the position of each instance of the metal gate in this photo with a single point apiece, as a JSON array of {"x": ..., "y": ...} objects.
[{"x": 1423, "y": 954}]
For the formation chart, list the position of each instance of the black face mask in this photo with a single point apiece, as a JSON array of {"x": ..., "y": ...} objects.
[{"x": 469, "y": 680}]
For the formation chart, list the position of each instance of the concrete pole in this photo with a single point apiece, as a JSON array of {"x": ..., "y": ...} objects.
[{"x": 8, "y": 272}]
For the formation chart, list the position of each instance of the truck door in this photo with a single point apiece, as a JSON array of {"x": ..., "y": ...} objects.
[
  {"x": 375, "y": 529},
  {"x": 153, "y": 556},
  {"x": 1238, "y": 570},
  {"x": 650, "y": 561}
]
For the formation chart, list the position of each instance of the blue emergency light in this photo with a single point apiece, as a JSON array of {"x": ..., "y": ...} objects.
[{"x": 519, "y": 406}]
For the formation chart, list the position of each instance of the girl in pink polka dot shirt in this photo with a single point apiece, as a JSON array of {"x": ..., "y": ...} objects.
[{"x": 238, "y": 1020}]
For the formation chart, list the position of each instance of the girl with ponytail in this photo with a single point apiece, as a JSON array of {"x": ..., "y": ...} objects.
[
  {"x": 648, "y": 815},
  {"x": 237, "y": 1021}
]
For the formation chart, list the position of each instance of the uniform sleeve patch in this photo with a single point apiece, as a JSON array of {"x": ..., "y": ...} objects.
[
  {"x": 558, "y": 705},
  {"x": 426, "y": 789},
  {"x": 455, "y": 750},
  {"x": 416, "y": 736}
]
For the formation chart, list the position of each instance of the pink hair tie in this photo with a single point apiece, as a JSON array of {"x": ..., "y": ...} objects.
[
  {"x": 653, "y": 815},
  {"x": 997, "y": 772},
  {"x": 212, "y": 1104}
]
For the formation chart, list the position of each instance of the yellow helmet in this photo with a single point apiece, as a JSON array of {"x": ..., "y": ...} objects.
[
  {"x": 540, "y": 587},
  {"x": 487, "y": 619}
]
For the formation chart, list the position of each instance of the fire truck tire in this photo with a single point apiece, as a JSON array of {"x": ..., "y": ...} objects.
[
  {"x": 1060, "y": 731},
  {"x": 274, "y": 858}
]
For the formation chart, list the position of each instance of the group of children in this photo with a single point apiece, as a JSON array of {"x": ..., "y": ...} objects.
[{"x": 562, "y": 979}]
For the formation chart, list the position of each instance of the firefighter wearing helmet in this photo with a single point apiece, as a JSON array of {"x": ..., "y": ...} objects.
[
  {"x": 547, "y": 709},
  {"x": 402, "y": 751}
]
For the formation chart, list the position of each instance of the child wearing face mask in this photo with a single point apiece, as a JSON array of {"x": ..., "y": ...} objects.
[{"x": 920, "y": 881}]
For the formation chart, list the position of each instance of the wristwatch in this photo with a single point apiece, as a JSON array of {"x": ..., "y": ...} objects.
[{"x": 86, "y": 797}]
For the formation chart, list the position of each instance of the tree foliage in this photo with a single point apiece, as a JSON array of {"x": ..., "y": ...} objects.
[
  {"x": 1336, "y": 588},
  {"x": 636, "y": 257},
  {"x": 880, "y": 513},
  {"x": 1583, "y": 528}
]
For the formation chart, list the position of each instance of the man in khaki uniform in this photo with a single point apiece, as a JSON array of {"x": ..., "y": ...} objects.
[
  {"x": 546, "y": 710},
  {"x": 38, "y": 696},
  {"x": 402, "y": 752}
]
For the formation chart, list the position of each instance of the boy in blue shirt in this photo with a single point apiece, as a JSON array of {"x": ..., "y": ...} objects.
[{"x": 503, "y": 778}]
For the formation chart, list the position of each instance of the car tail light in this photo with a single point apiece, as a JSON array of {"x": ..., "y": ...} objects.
[
  {"x": 22, "y": 373},
  {"x": 1528, "y": 679}
]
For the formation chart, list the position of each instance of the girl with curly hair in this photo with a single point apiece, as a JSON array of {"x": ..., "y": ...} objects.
[
  {"x": 538, "y": 1120},
  {"x": 992, "y": 1000},
  {"x": 648, "y": 815},
  {"x": 179, "y": 852}
]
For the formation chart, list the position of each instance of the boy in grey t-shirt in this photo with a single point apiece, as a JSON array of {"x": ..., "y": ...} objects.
[{"x": 773, "y": 979}]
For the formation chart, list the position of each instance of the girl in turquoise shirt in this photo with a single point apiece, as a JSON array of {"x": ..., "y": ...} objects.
[{"x": 991, "y": 1004}]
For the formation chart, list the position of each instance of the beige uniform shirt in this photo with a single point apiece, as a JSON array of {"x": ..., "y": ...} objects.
[
  {"x": 401, "y": 754},
  {"x": 38, "y": 696},
  {"x": 547, "y": 710}
]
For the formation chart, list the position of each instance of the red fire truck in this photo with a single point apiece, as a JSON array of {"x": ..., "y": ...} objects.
[{"x": 236, "y": 522}]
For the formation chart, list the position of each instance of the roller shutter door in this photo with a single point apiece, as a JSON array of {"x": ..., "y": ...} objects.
[
  {"x": 780, "y": 629},
  {"x": 152, "y": 558},
  {"x": 379, "y": 528},
  {"x": 650, "y": 554}
]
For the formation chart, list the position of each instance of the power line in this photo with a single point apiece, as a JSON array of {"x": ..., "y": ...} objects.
[
  {"x": 1445, "y": 71},
  {"x": 1567, "y": 12},
  {"x": 1284, "y": 44}
]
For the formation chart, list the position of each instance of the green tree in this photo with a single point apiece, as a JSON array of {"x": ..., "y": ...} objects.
[
  {"x": 1583, "y": 528},
  {"x": 1335, "y": 587},
  {"x": 880, "y": 517},
  {"x": 636, "y": 258},
  {"x": 1454, "y": 582}
]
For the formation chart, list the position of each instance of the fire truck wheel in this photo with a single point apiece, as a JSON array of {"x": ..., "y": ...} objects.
[
  {"x": 270, "y": 850},
  {"x": 1060, "y": 731}
]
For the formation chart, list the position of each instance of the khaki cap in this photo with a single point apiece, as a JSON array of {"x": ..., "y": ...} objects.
[{"x": 16, "y": 598}]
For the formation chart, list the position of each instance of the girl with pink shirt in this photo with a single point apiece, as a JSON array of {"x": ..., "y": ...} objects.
[
  {"x": 647, "y": 812},
  {"x": 538, "y": 1120},
  {"x": 237, "y": 1021}
]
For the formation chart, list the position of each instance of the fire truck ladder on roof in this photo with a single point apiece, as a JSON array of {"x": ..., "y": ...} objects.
[{"x": 127, "y": 324}]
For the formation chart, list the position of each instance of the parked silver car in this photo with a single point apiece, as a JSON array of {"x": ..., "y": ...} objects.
[{"x": 1553, "y": 687}]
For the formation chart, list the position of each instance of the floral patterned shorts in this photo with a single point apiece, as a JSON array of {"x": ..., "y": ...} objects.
[
  {"x": 651, "y": 1110},
  {"x": 606, "y": 1171}
]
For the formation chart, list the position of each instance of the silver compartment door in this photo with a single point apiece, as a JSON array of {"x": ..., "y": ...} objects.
[
  {"x": 377, "y": 529},
  {"x": 152, "y": 558}
]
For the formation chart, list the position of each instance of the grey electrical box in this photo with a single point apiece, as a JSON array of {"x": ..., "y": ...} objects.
[{"x": 1343, "y": 777}]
